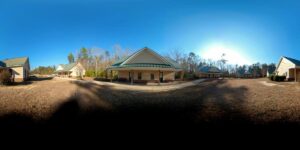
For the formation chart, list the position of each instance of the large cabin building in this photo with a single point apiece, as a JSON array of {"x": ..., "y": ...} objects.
[
  {"x": 288, "y": 67},
  {"x": 70, "y": 70},
  {"x": 209, "y": 72},
  {"x": 18, "y": 67},
  {"x": 146, "y": 65}
]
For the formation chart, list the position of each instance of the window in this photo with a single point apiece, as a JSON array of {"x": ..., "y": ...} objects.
[
  {"x": 140, "y": 76},
  {"x": 152, "y": 76}
]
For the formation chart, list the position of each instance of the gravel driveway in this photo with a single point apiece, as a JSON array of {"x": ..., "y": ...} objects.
[{"x": 61, "y": 102}]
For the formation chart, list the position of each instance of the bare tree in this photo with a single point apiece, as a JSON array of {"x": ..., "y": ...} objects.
[{"x": 176, "y": 55}]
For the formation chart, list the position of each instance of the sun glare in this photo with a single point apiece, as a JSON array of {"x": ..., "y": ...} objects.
[{"x": 214, "y": 52}]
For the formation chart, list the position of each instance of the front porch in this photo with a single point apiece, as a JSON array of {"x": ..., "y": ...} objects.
[
  {"x": 64, "y": 74},
  {"x": 210, "y": 75},
  {"x": 146, "y": 75},
  {"x": 12, "y": 78}
]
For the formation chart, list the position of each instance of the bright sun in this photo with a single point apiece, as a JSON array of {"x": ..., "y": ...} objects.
[{"x": 215, "y": 51}]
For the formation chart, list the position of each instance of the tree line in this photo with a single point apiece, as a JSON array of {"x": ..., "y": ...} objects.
[
  {"x": 97, "y": 60},
  {"x": 44, "y": 70},
  {"x": 191, "y": 63}
]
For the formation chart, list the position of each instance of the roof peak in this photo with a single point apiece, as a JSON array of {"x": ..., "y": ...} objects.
[
  {"x": 295, "y": 61},
  {"x": 164, "y": 60},
  {"x": 13, "y": 62},
  {"x": 16, "y": 58}
]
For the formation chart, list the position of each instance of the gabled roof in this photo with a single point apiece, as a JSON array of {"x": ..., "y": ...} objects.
[
  {"x": 163, "y": 61},
  {"x": 209, "y": 69},
  {"x": 173, "y": 62},
  {"x": 243, "y": 72},
  {"x": 120, "y": 61},
  {"x": 294, "y": 61},
  {"x": 67, "y": 67},
  {"x": 15, "y": 62},
  {"x": 2, "y": 64}
]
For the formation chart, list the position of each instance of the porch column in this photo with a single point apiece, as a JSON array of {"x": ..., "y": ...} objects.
[
  {"x": 158, "y": 77},
  {"x": 132, "y": 76},
  {"x": 106, "y": 76},
  {"x": 111, "y": 75},
  {"x": 182, "y": 75}
]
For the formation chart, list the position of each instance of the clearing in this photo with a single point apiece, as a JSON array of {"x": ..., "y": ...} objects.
[{"x": 61, "y": 102}]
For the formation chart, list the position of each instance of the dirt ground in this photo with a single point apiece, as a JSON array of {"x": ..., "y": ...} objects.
[{"x": 220, "y": 102}]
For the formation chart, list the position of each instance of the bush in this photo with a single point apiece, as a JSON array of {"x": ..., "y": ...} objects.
[
  {"x": 115, "y": 77},
  {"x": 102, "y": 79},
  {"x": 271, "y": 77},
  {"x": 122, "y": 79},
  {"x": 188, "y": 76},
  {"x": 195, "y": 76},
  {"x": 277, "y": 78},
  {"x": 5, "y": 77},
  {"x": 92, "y": 73}
]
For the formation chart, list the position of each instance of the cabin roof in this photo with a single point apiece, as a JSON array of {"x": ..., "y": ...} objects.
[
  {"x": 209, "y": 69},
  {"x": 14, "y": 62},
  {"x": 167, "y": 62}
]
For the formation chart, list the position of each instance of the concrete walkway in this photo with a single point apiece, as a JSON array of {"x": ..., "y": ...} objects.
[{"x": 141, "y": 87}]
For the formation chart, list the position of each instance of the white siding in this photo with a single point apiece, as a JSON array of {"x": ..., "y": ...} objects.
[
  {"x": 77, "y": 71},
  {"x": 283, "y": 68},
  {"x": 18, "y": 72},
  {"x": 59, "y": 67}
]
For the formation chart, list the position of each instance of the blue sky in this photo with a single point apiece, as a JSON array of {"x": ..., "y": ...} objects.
[{"x": 47, "y": 31}]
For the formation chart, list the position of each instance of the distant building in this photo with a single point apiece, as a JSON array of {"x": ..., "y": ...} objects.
[
  {"x": 269, "y": 73},
  {"x": 209, "y": 72},
  {"x": 288, "y": 67},
  {"x": 244, "y": 74},
  {"x": 70, "y": 70},
  {"x": 18, "y": 67}
]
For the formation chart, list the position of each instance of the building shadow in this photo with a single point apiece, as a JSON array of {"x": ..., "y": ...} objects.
[
  {"x": 209, "y": 105},
  {"x": 186, "y": 108},
  {"x": 40, "y": 78},
  {"x": 31, "y": 80}
]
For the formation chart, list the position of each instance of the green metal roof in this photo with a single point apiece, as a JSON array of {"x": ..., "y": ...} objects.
[
  {"x": 296, "y": 62},
  {"x": 143, "y": 65},
  {"x": 14, "y": 62},
  {"x": 120, "y": 61},
  {"x": 66, "y": 67},
  {"x": 170, "y": 62},
  {"x": 2, "y": 64},
  {"x": 173, "y": 62},
  {"x": 209, "y": 69}
]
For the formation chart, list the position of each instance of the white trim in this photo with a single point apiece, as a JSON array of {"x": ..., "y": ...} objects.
[
  {"x": 145, "y": 68},
  {"x": 280, "y": 60}
]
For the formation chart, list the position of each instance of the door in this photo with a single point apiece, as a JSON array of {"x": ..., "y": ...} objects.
[
  {"x": 129, "y": 76},
  {"x": 298, "y": 75},
  {"x": 152, "y": 76},
  {"x": 161, "y": 76}
]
